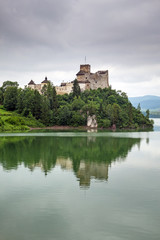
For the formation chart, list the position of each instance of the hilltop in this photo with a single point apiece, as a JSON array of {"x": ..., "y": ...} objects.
[{"x": 27, "y": 107}]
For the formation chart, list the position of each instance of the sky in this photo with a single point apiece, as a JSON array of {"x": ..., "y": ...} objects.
[{"x": 40, "y": 38}]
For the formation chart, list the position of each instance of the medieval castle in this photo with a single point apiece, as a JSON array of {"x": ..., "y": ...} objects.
[{"x": 85, "y": 78}]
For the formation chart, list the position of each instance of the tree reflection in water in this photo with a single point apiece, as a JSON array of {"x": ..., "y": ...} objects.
[{"x": 88, "y": 157}]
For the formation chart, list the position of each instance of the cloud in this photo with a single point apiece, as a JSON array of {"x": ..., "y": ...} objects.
[{"x": 52, "y": 36}]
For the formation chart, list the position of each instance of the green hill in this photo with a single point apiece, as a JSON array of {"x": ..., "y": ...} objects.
[
  {"x": 11, "y": 121},
  {"x": 27, "y": 107}
]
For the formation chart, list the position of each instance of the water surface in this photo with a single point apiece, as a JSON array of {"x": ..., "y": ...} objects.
[{"x": 69, "y": 185}]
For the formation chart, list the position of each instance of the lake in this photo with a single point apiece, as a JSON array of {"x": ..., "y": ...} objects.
[
  {"x": 156, "y": 124},
  {"x": 80, "y": 185}
]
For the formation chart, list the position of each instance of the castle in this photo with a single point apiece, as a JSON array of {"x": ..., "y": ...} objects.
[{"x": 86, "y": 79}]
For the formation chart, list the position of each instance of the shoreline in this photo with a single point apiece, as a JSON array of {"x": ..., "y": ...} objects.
[
  {"x": 113, "y": 128},
  {"x": 62, "y": 128}
]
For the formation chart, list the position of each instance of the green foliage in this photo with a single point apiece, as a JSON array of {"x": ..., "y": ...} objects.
[
  {"x": 65, "y": 115},
  {"x": 1, "y": 96},
  {"x": 37, "y": 101},
  {"x": 46, "y": 151},
  {"x": 76, "y": 89},
  {"x": 147, "y": 113},
  {"x": 111, "y": 107},
  {"x": 91, "y": 108},
  {"x": 10, "y": 98},
  {"x": 15, "y": 120},
  {"x": 7, "y": 84},
  {"x": 104, "y": 123},
  {"x": 11, "y": 121},
  {"x": 45, "y": 111},
  {"x": 77, "y": 104},
  {"x": 139, "y": 107},
  {"x": 3, "y": 88},
  {"x": 78, "y": 119}
]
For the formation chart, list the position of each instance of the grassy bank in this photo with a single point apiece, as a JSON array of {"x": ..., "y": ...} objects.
[{"x": 11, "y": 121}]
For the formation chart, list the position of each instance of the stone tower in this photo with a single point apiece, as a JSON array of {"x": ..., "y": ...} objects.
[
  {"x": 91, "y": 80},
  {"x": 31, "y": 84},
  {"x": 85, "y": 68}
]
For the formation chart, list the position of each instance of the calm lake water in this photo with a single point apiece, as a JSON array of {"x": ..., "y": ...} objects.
[
  {"x": 156, "y": 124},
  {"x": 81, "y": 186}
]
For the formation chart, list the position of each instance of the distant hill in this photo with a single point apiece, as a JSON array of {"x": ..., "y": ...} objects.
[{"x": 150, "y": 102}]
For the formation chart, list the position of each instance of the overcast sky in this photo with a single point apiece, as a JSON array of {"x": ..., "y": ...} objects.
[{"x": 51, "y": 38}]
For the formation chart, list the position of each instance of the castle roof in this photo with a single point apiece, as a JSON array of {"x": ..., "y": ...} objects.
[
  {"x": 81, "y": 73},
  {"x": 45, "y": 80},
  {"x": 63, "y": 84},
  {"x": 31, "y": 83}
]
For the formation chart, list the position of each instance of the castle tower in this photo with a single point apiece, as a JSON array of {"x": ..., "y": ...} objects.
[
  {"x": 85, "y": 68},
  {"x": 84, "y": 72},
  {"x": 44, "y": 82},
  {"x": 31, "y": 84}
]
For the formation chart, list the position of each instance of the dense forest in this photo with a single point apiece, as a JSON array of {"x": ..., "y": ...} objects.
[{"x": 111, "y": 107}]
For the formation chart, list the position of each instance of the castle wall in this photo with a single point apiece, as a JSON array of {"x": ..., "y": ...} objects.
[
  {"x": 67, "y": 88},
  {"x": 82, "y": 86},
  {"x": 81, "y": 78},
  {"x": 32, "y": 86},
  {"x": 38, "y": 87},
  {"x": 86, "y": 80},
  {"x": 99, "y": 80}
]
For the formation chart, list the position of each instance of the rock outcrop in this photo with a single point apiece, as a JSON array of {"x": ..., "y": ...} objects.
[{"x": 92, "y": 122}]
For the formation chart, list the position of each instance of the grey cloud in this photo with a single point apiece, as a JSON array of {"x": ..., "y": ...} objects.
[
  {"x": 56, "y": 33},
  {"x": 26, "y": 22}
]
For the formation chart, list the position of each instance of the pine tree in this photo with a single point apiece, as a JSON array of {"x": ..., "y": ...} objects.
[
  {"x": 76, "y": 89},
  {"x": 147, "y": 113}
]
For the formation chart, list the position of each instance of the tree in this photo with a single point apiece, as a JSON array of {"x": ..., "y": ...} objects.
[
  {"x": 147, "y": 113},
  {"x": 109, "y": 112},
  {"x": 76, "y": 89},
  {"x": 54, "y": 99},
  {"x": 5, "y": 85},
  {"x": 9, "y": 84},
  {"x": 37, "y": 105},
  {"x": 1, "y": 96},
  {"x": 49, "y": 92},
  {"x": 139, "y": 107},
  {"x": 130, "y": 112},
  {"x": 44, "y": 90},
  {"x": 78, "y": 119},
  {"x": 10, "y": 98},
  {"x": 77, "y": 104},
  {"x": 116, "y": 111},
  {"x": 45, "y": 111},
  {"x": 28, "y": 102},
  {"x": 64, "y": 116},
  {"x": 20, "y": 102},
  {"x": 112, "y": 99},
  {"x": 91, "y": 108}
]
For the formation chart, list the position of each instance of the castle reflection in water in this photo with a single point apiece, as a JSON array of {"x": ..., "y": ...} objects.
[{"x": 87, "y": 157}]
